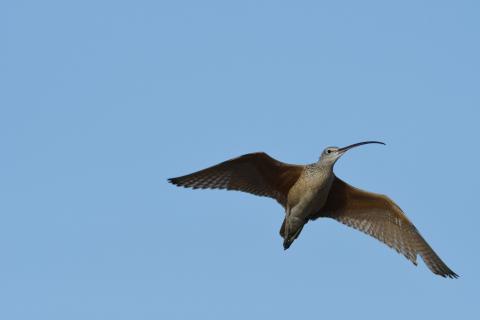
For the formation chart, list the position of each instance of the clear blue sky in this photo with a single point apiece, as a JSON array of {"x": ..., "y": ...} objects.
[{"x": 102, "y": 101}]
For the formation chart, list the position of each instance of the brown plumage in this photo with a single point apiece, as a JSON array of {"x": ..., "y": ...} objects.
[
  {"x": 308, "y": 192},
  {"x": 255, "y": 173}
]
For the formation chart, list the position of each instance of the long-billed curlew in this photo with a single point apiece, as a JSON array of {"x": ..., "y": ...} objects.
[{"x": 312, "y": 191}]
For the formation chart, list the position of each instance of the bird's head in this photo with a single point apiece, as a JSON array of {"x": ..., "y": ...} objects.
[{"x": 331, "y": 154}]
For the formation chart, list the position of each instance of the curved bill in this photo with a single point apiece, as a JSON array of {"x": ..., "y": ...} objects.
[{"x": 344, "y": 149}]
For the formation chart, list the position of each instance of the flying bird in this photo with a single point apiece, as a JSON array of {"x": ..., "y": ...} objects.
[{"x": 312, "y": 191}]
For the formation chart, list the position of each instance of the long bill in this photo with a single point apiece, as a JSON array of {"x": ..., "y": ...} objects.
[{"x": 344, "y": 149}]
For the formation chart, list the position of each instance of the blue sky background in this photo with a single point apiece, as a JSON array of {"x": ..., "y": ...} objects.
[{"x": 102, "y": 101}]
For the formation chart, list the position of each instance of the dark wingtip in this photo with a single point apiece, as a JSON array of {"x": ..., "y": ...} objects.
[
  {"x": 177, "y": 182},
  {"x": 450, "y": 274},
  {"x": 173, "y": 181}
]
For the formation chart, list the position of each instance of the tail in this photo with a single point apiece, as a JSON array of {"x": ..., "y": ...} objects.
[{"x": 289, "y": 237}]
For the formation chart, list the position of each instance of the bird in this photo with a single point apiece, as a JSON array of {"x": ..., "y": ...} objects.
[{"x": 312, "y": 191}]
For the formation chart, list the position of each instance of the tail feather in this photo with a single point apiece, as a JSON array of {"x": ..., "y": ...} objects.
[
  {"x": 288, "y": 237},
  {"x": 282, "y": 229}
]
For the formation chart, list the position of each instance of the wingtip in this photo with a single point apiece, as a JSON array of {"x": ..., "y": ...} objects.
[
  {"x": 177, "y": 182},
  {"x": 450, "y": 274}
]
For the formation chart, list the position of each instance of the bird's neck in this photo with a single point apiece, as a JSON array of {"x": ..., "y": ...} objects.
[
  {"x": 326, "y": 166},
  {"x": 321, "y": 167}
]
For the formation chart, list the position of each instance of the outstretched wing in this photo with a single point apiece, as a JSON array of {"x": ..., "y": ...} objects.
[
  {"x": 255, "y": 173},
  {"x": 378, "y": 216}
]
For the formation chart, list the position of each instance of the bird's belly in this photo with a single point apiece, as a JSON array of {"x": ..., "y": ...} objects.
[{"x": 311, "y": 201}]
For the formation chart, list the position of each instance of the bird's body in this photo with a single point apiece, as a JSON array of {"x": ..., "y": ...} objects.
[
  {"x": 308, "y": 192},
  {"x": 306, "y": 197}
]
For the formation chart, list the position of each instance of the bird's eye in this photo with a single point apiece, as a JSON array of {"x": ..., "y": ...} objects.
[{"x": 329, "y": 151}]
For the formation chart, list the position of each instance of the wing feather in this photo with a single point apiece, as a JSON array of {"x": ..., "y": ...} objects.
[
  {"x": 378, "y": 216},
  {"x": 255, "y": 173}
]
